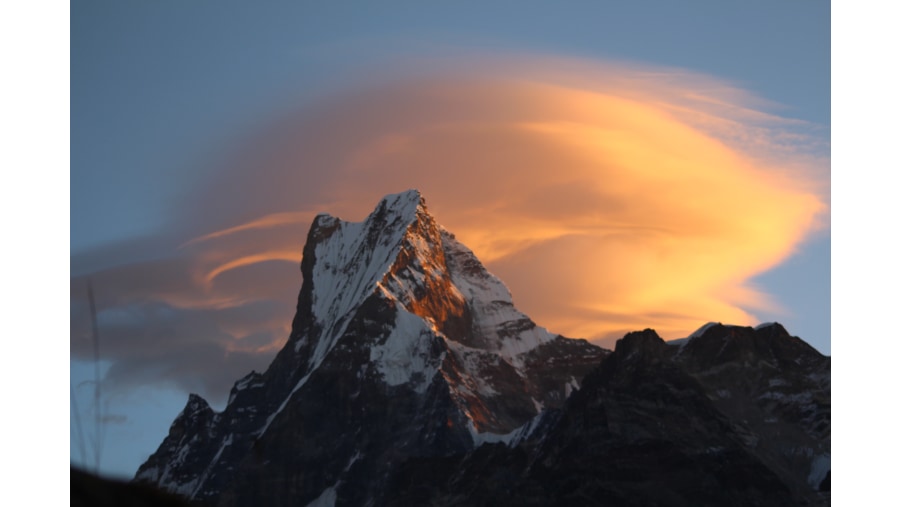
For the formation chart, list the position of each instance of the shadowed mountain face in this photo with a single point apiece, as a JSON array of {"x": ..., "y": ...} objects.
[
  {"x": 734, "y": 416},
  {"x": 410, "y": 378}
]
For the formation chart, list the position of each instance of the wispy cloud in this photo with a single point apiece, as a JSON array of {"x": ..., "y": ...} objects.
[{"x": 609, "y": 197}]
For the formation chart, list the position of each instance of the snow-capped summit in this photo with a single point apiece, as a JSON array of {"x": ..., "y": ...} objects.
[{"x": 403, "y": 344}]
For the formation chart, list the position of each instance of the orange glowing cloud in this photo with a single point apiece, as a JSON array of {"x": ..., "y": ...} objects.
[
  {"x": 608, "y": 197},
  {"x": 268, "y": 221},
  {"x": 286, "y": 255}
]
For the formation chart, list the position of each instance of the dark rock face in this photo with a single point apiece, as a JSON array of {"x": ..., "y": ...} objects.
[
  {"x": 403, "y": 347},
  {"x": 776, "y": 389},
  {"x": 410, "y": 378},
  {"x": 736, "y": 416}
]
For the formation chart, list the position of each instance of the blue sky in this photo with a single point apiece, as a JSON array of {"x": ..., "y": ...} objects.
[{"x": 159, "y": 91}]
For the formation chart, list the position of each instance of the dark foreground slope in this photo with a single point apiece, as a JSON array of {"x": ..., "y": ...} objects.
[{"x": 89, "y": 490}]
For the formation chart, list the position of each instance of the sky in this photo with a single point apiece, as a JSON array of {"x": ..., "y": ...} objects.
[{"x": 647, "y": 164}]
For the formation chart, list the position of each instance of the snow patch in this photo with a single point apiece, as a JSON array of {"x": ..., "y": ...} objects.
[
  {"x": 327, "y": 498},
  {"x": 244, "y": 383},
  {"x": 511, "y": 439},
  {"x": 148, "y": 474},
  {"x": 489, "y": 438},
  {"x": 819, "y": 469},
  {"x": 704, "y": 328},
  {"x": 405, "y": 356},
  {"x": 491, "y": 304},
  {"x": 284, "y": 403},
  {"x": 524, "y": 432},
  {"x": 348, "y": 267},
  {"x": 197, "y": 483},
  {"x": 474, "y": 362},
  {"x": 803, "y": 397},
  {"x": 353, "y": 460},
  {"x": 187, "y": 489}
]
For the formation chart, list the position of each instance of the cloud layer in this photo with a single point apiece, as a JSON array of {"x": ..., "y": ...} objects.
[{"x": 609, "y": 197}]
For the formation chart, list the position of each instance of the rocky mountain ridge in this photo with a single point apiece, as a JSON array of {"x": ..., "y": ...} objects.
[
  {"x": 410, "y": 378},
  {"x": 403, "y": 345},
  {"x": 732, "y": 416}
]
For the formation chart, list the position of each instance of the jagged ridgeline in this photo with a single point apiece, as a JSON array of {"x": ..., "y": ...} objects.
[
  {"x": 410, "y": 378},
  {"x": 403, "y": 346}
]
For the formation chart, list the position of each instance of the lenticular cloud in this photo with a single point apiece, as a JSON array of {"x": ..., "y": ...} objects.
[{"x": 608, "y": 197}]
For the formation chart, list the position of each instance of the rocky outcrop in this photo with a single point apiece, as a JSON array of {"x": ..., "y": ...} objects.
[{"x": 732, "y": 416}]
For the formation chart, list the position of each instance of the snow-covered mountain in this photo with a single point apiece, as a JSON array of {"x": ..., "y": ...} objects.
[
  {"x": 403, "y": 346},
  {"x": 410, "y": 378}
]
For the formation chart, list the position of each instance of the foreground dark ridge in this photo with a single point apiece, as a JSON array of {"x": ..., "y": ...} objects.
[
  {"x": 89, "y": 490},
  {"x": 411, "y": 378},
  {"x": 735, "y": 416}
]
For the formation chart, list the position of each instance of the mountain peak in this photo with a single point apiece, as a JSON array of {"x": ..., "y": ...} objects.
[
  {"x": 641, "y": 343},
  {"x": 717, "y": 343},
  {"x": 195, "y": 404},
  {"x": 408, "y": 199},
  {"x": 402, "y": 203},
  {"x": 344, "y": 263},
  {"x": 403, "y": 344}
]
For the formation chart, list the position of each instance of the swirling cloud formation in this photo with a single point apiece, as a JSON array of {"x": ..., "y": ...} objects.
[{"x": 609, "y": 197}]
